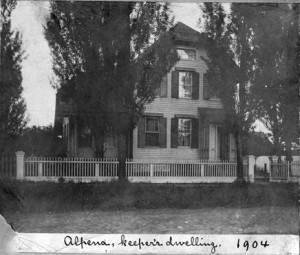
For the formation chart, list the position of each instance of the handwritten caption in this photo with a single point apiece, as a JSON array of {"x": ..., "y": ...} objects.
[{"x": 192, "y": 241}]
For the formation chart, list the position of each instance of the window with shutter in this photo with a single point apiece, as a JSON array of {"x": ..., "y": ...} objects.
[
  {"x": 184, "y": 132},
  {"x": 185, "y": 84},
  {"x": 152, "y": 132}
]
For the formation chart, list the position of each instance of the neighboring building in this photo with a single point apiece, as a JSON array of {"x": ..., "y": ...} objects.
[{"x": 184, "y": 122}]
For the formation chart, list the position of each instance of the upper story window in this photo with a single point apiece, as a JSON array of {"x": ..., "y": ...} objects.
[
  {"x": 185, "y": 84},
  {"x": 187, "y": 54}
]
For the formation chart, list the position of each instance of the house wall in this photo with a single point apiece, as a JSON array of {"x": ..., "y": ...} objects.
[{"x": 170, "y": 106}]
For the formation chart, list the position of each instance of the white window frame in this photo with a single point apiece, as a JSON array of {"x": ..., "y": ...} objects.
[
  {"x": 151, "y": 132},
  {"x": 190, "y": 133},
  {"x": 188, "y": 56},
  {"x": 181, "y": 86}
]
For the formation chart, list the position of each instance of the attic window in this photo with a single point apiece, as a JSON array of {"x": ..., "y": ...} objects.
[{"x": 186, "y": 54}]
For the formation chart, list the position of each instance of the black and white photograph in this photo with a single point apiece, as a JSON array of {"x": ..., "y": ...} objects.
[{"x": 156, "y": 127}]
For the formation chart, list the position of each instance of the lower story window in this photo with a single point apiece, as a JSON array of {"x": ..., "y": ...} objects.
[
  {"x": 184, "y": 132},
  {"x": 152, "y": 131}
]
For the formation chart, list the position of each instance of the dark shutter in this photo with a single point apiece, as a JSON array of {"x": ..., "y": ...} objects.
[
  {"x": 174, "y": 133},
  {"x": 175, "y": 84},
  {"x": 206, "y": 94},
  {"x": 195, "y": 132},
  {"x": 225, "y": 140},
  {"x": 164, "y": 87},
  {"x": 163, "y": 132},
  {"x": 204, "y": 141},
  {"x": 141, "y": 133},
  {"x": 195, "y": 84}
]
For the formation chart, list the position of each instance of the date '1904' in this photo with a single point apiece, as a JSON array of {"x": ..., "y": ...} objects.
[{"x": 252, "y": 245}]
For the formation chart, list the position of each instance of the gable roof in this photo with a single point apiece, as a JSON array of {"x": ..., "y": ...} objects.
[
  {"x": 183, "y": 32},
  {"x": 186, "y": 34}
]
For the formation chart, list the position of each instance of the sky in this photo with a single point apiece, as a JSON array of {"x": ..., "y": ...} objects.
[{"x": 29, "y": 17}]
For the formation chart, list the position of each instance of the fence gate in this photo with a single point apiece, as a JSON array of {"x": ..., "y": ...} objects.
[{"x": 285, "y": 171}]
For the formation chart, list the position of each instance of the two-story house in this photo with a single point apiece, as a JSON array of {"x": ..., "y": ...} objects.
[{"x": 185, "y": 121}]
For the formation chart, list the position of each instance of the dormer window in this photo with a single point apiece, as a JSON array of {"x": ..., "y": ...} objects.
[{"x": 186, "y": 54}]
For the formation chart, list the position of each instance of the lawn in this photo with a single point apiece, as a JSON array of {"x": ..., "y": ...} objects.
[
  {"x": 61, "y": 197},
  {"x": 150, "y": 208}
]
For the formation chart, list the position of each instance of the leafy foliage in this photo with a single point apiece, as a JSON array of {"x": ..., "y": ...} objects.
[
  {"x": 39, "y": 141},
  {"x": 259, "y": 144},
  {"x": 230, "y": 64},
  {"x": 12, "y": 106},
  {"x": 258, "y": 76},
  {"x": 276, "y": 78},
  {"x": 104, "y": 64}
]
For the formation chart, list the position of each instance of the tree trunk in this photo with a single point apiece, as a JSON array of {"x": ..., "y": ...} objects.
[
  {"x": 122, "y": 154},
  {"x": 239, "y": 157}
]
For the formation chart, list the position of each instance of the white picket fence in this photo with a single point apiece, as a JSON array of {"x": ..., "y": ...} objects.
[
  {"x": 182, "y": 171},
  {"x": 78, "y": 169},
  {"x": 156, "y": 171},
  {"x": 285, "y": 171}
]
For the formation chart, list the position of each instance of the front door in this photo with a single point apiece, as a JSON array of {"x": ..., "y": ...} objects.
[{"x": 218, "y": 146}]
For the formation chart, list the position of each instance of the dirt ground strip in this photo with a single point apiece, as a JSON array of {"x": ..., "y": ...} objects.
[{"x": 263, "y": 220}]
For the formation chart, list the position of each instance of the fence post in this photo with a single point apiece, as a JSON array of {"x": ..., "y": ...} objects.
[
  {"x": 202, "y": 170},
  {"x": 20, "y": 165},
  {"x": 151, "y": 170},
  {"x": 97, "y": 170},
  {"x": 251, "y": 164},
  {"x": 40, "y": 169},
  {"x": 288, "y": 170}
]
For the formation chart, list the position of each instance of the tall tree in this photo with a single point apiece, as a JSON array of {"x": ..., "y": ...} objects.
[
  {"x": 230, "y": 64},
  {"x": 12, "y": 106},
  {"x": 103, "y": 60},
  {"x": 276, "y": 78},
  {"x": 263, "y": 41}
]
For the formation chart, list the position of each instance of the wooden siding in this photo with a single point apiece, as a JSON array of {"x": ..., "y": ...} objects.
[{"x": 169, "y": 107}]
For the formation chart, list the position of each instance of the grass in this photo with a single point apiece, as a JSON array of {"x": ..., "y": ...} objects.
[{"x": 62, "y": 197}]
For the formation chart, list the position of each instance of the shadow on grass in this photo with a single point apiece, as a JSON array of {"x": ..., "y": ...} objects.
[{"x": 61, "y": 197}]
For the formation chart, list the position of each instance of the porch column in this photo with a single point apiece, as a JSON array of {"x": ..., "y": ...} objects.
[
  {"x": 20, "y": 165},
  {"x": 251, "y": 164}
]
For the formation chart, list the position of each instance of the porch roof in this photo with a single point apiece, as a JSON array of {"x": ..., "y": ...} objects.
[{"x": 211, "y": 115}]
